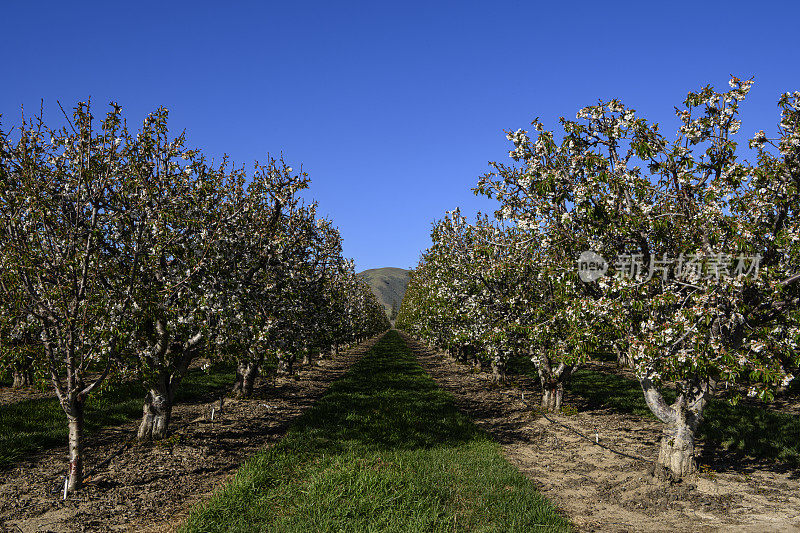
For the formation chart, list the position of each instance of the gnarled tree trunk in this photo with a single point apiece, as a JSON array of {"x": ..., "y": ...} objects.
[
  {"x": 286, "y": 363},
  {"x": 676, "y": 452},
  {"x": 682, "y": 419},
  {"x": 246, "y": 374},
  {"x": 326, "y": 352},
  {"x": 308, "y": 356},
  {"x": 498, "y": 369},
  {"x": 552, "y": 396},
  {"x": 623, "y": 357},
  {"x": 553, "y": 382},
  {"x": 474, "y": 359},
  {"x": 157, "y": 410}
]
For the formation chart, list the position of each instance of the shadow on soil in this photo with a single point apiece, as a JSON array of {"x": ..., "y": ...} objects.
[
  {"x": 741, "y": 438},
  {"x": 29, "y": 426}
]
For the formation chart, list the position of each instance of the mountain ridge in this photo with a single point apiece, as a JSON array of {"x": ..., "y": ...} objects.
[{"x": 388, "y": 284}]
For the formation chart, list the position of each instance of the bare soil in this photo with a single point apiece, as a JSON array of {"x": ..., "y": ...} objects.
[
  {"x": 576, "y": 461},
  {"x": 151, "y": 487},
  {"x": 12, "y": 395}
]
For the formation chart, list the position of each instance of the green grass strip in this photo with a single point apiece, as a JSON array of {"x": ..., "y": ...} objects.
[
  {"x": 28, "y": 426},
  {"x": 383, "y": 450}
]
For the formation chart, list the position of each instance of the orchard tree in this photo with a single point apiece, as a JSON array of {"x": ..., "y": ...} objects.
[
  {"x": 562, "y": 321},
  {"x": 258, "y": 260},
  {"x": 179, "y": 216},
  {"x": 58, "y": 202},
  {"x": 302, "y": 284},
  {"x": 322, "y": 266},
  {"x": 20, "y": 345},
  {"x": 685, "y": 239}
]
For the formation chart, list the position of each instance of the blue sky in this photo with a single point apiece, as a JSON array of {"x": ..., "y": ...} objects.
[{"x": 394, "y": 109}]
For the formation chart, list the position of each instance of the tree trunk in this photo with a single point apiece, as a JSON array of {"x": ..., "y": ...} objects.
[
  {"x": 552, "y": 395},
  {"x": 552, "y": 381},
  {"x": 476, "y": 361},
  {"x": 157, "y": 410},
  {"x": 238, "y": 382},
  {"x": 156, "y": 414},
  {"x": 72, "y": 394},
  {"x": 75, "y": 443},
  {"x": 246, "y": 374},
  {"x": 676, "y": 452},
  {"x": 249, "y": 380},
  {"x": 286, "y": 364},
  {"x": 682, "y": 419},
  {"x": 326, "y": 352},
  {"x": 22, "y": 378},
  {"x": 498, "y": 370},
  {"x": 623, "y": 358}
]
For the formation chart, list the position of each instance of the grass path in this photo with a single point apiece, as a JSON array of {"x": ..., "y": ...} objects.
[{"x": 383, "y": 450}]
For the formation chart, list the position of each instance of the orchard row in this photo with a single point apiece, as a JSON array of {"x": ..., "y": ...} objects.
[
  {"x": 127, "y": 255},
  {"x": 610, "y": 185}
]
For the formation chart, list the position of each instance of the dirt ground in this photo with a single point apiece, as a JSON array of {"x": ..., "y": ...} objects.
[
  {"x": 10, "y": 395},
  {"x": 152, "y": 487},
  {"x": 599, "y": 490}
]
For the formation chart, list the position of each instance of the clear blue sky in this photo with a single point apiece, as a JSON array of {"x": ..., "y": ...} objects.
[{"x": 394, "y": 108}]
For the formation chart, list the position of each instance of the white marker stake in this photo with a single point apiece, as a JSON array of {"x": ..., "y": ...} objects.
[
  {"x": 212, "y": 414},
  {"x": 66, "y": 486}
]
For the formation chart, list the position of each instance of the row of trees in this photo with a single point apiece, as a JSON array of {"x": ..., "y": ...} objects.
[
  {"x": 127, "y": 253},
  {"x": 610, "y": 237}
]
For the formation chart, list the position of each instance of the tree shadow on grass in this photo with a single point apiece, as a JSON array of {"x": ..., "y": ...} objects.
[
  {"x": 29, "y": 426},
  {"x": 385, "y": 402}
]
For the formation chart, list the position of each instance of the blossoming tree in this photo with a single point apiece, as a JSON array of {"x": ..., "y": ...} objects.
[
  {"x": 60, "y": 269},
  {"x": 699, "y": 251}
]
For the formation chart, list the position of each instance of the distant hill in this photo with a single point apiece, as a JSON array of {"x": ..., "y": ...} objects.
[{"x": 388, "y": 284}]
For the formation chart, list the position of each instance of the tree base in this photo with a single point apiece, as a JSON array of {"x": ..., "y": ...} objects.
[
  {"x": 676, "y": 455},
  {"x": 551, "y": 400},
  {"x": 22, "y": 379},
  {"x": 155, "y": 417}
]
